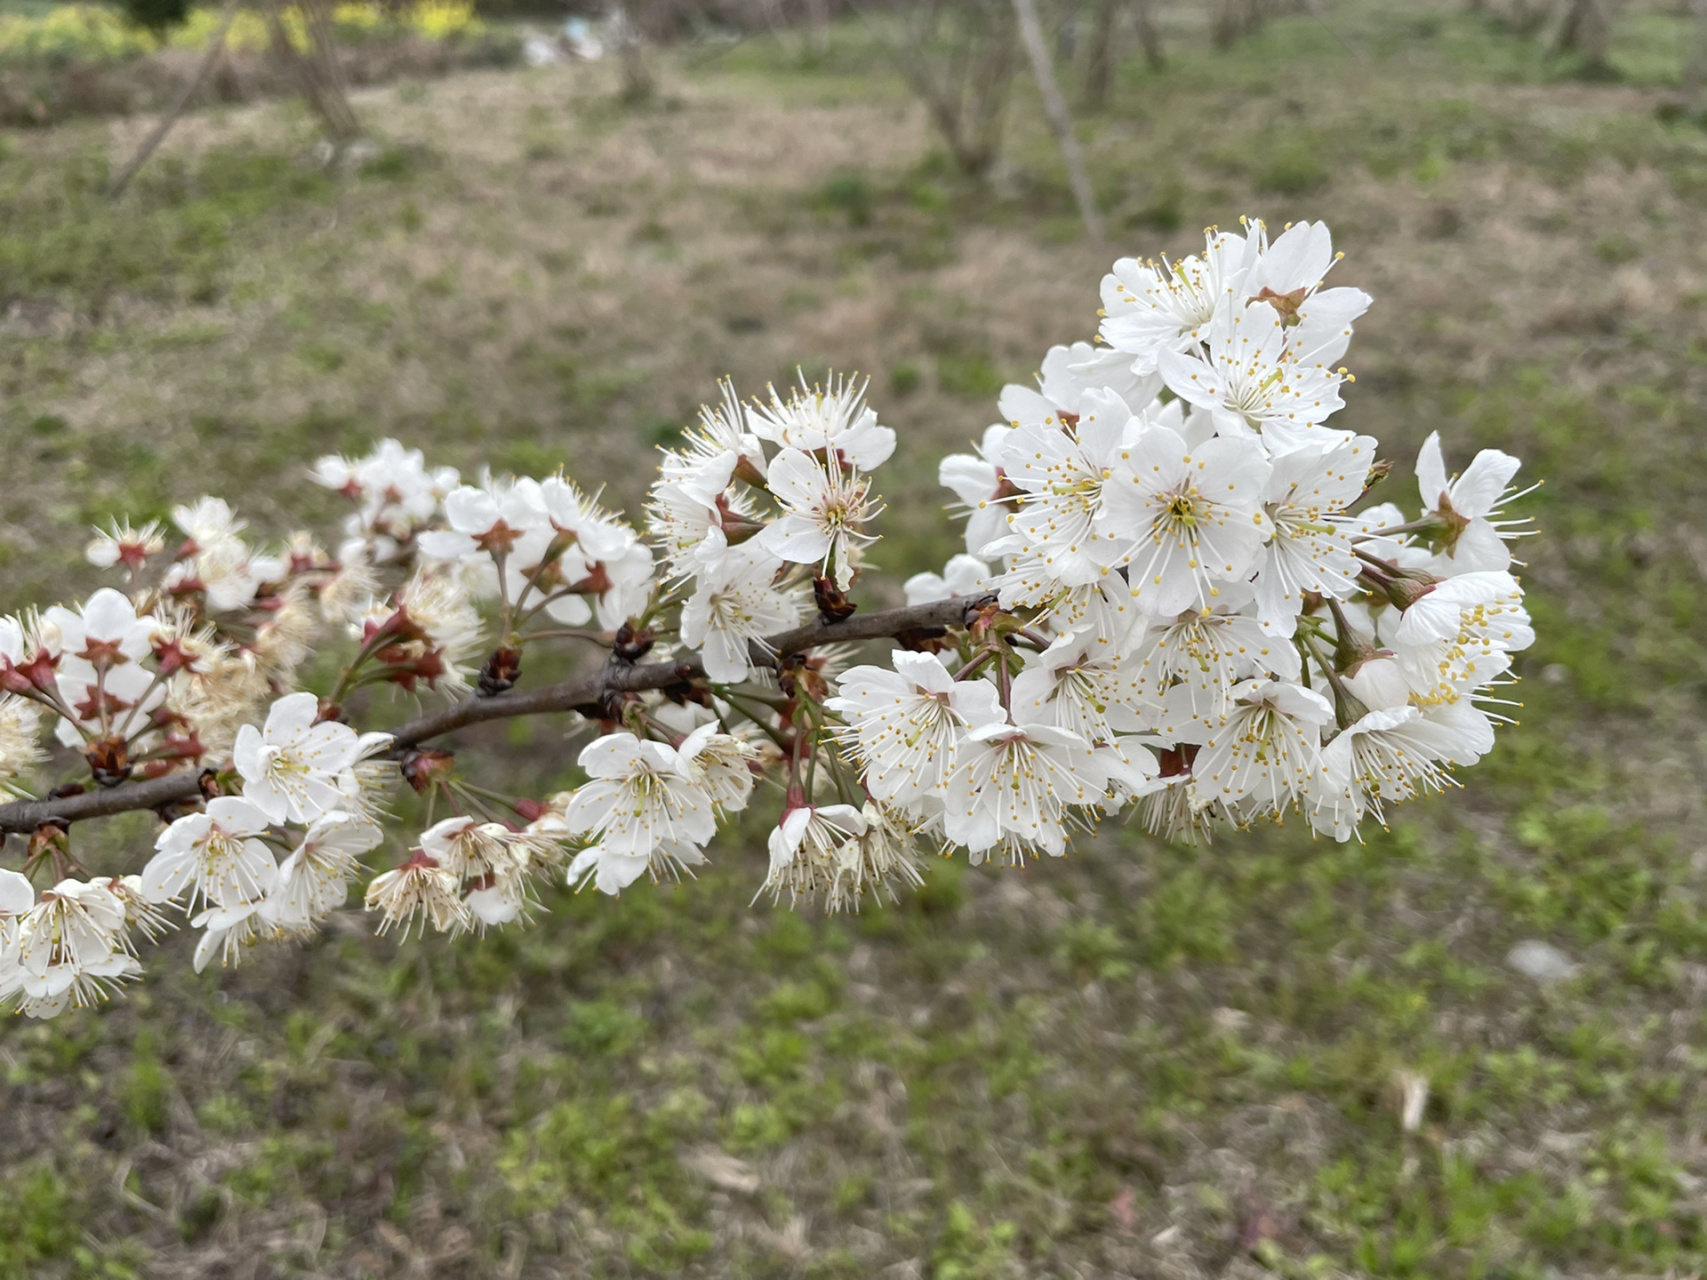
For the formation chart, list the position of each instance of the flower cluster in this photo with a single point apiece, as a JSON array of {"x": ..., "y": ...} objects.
[
  {"x": 1177, "y": 602},
  {"x": 1213, "y": 606},
  {"x": 741, "y": 531}
]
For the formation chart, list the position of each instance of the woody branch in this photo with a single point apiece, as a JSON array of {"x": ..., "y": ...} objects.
[{"x": 615, "y": 676}]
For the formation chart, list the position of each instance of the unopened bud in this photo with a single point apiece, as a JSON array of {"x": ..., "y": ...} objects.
[
  {"x": 170, "y": 656},
  {"x": 923, "y": 639},
  {"x": 1348, "y": 707},
  {"x": 1405, "y": 591},
  {"x": 738, "y": 529},
  {"x": 500, "y": 673},
  {"x": 108, "y": 759},
  {"x": 632, "y": 643},
  {"x": 833, "y": 603},
  {"x": 1354, "y": 647},
  {"x": 748, "y": 473},
  {"x": 39, "y": 670},
  {"x": 51, "y": 839},
  {"x": 423, "y": 766}
]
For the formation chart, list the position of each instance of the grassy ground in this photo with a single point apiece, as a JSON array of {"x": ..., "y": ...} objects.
[{"x": 1144, "y": 1061}]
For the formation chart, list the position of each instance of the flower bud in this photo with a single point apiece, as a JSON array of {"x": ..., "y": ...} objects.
[
  {"x": 51, "y": 839},
  {"x": 632, "y": 643},
  {"x": 423, "y": 766},
  {"x": 500, "y": 673},
  {"x": 108, "y": 760},
  {"x": 1409, "y": 587},
  {"x": 833, "y": 603}
]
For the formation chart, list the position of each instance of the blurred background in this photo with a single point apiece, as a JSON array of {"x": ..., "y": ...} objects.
[{"x": 1470, "y": 1047}]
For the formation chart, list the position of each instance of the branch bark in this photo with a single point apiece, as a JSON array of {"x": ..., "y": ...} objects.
[{"x": 24, "y": 816}]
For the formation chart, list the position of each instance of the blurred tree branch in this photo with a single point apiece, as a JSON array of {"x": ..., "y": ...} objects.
[
  {"x": 959, "y": 57},
  {"x": 316, "y": 72},
  {"x": 204, "y": 69},
  {"x": 1060, "y": 119}
]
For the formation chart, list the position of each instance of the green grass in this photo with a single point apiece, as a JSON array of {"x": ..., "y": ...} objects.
[{"x": 1141, "y": 1060}]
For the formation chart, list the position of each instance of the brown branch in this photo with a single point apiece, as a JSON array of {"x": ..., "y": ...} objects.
[{"x": 26, "y": 815}]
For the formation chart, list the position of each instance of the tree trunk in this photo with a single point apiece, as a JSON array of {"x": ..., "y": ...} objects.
[
  {"x": 1696, "y": 67},
  {"x": 638, "y": 84},
  {"x": 1587, "y": 29},
  {"x": 959, "y": 58},
  {"x": 210, "y": 60},
  {"x": 1099, "y": 66},
  {"x": 1060, "y": 119},
  {"x": 1149, "y": 38},
  {"x": 1230, "y": 19},
  {"x": 818, "y": 27},
  {"x": 317, "y": 72}
]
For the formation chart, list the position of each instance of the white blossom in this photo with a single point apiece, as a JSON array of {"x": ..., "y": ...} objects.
[
  {"x": 834, "y": 418},
  {"x": 979, "y": 483},
  {"x": 1266, "y": 756},
  {"x": 1385, "y": 757},
  {"x": 119, "y": 543},
  {"x": 314, "y": 878},
  {"x": 1252, "y": 383},
  {"x": 1011, "y": 786},
  {"x": 612, "y": 871},
  {"x": 1087, "y": 681},
  {"x": 229, "y": 932},
  {"x": 1288, "y": 274},
  {"x": 496, "y": 519},
  {"x": 1155, "y": 307},
  {"x": 101, "y": 646},
  {"x": 814, "y": 849},
  {"x": 963, "y": 575},
  {"x": 217, "y": 561},
  {"x": 215, "y": 856},
  {"x": 735, "y": 605},
  {"x": 1473, "y": 538},
  {"x": 1306, "y": 496},
  {"x": 1460, "y": 634},
  {"x": 1188, "y": 662},
  {"x": 291, "y": 767},
  {"x": 1062, "y": 474},
  {"x": 470, "y": 849},
  {"x": 720, "y": 765},
  {"x": 824, "y": 513},
  {"x": 906, "y": 723},
  {"x": 1193, "y": 517},
  {"x": 20, "y": 740},
  {"x": 68, "y": 949},
  {"x": 419, "y": 891},
  {"x": 635, "y": 806}
]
